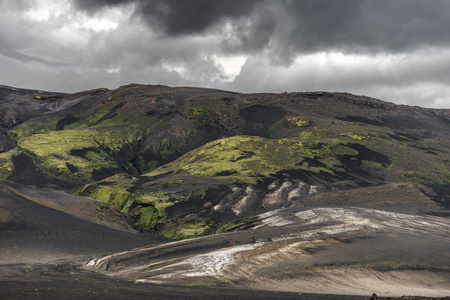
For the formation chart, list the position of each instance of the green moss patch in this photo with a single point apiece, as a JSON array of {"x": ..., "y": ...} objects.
[
  {"x": 359, "y": 135},
  {"x": 189, "y": 228},
  {"x": 35, "y": 126},
  {"x": 247, "y": 158},
  {"x": 146, "y": 217},
  {"x": 296, "y": 122},
  {"x": 148, "y": 209},
  {"x": 240, "y": 224},
  {"x": 204, "y": 108},
  {"x": 52, "y": 150},
  {"x": 108, "y": 194},
  {"x": 6, "y": 164}
]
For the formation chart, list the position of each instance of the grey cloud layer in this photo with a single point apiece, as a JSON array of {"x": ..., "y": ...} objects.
[
  {"x": 304, "y": 26},
  {"x": 397, "y": 50},
  {"x": 175, "y": 17},
  {"x": 93, "y": 6}
]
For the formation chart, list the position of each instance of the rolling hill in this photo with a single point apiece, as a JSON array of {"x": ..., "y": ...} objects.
[{"x": 319, "y": 192}]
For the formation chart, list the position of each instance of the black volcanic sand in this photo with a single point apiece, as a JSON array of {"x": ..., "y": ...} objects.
[
  {"x": 66, "y": 282},
  {"x": 401, "y": 246},
  {"x": 32, "y": 233},
  {"x": 25, "y": 173},
  {"x": 42, "y": 249},
  {"x": 86, "y": 208}
]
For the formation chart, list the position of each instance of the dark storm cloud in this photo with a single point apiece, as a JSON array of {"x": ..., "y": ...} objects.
[
  {"x": 379, "y": 25},
  {"x": 290, "y": 28},
  {"x": 195, "y": 16},
  {"x": 175, "y": 17},
  {"x": 93, "y": 6},
  {"x": 302, "y": 26},
  {"x": 396, "y": 50}
]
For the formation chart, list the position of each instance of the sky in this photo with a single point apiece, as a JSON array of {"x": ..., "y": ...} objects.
[{"x": 393, "y": 50}]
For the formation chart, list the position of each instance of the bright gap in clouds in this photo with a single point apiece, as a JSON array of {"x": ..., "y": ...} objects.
[
  {"x": 231, "y": 65},
  {"x": 45, "y": 10},
  {"x": 107, "y": 19},
  {"x": 95, "y": 24}
]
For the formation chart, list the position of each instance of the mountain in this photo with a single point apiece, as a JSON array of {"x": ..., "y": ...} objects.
[
  {"x": 186, "y": 161},
  {"x": 266, "y": 178}
]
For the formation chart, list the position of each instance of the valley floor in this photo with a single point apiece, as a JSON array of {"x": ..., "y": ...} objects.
[
  {"x": 322, "y": 253},
  {"x": 68, "y": 282}
]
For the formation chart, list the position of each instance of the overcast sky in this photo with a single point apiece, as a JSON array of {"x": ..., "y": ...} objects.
[{"x": 394, "y": 50}]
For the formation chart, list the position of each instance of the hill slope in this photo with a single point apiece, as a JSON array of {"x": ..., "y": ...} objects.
[
  {"x": 203, "y": 158},
  {"x": 317, "y": 192},
  {"x": 35, "y": 233}
]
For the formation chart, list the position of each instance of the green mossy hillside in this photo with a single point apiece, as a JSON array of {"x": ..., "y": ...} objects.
[
  {"x": 6, "y": 163},
  {"x": 147, "y": 208},
  {"x": 36, "y": 126},
  {"x": 250, "y": 159},
  {"x": 243, "y": 157},
  {"x": 52, "y": 152},
  {"x": 83, "y": 153},
  {"x": 101, "y": 133}
]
